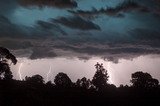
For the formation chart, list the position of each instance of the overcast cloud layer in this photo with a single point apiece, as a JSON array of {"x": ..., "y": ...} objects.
[{"x": 118, "y": 30}]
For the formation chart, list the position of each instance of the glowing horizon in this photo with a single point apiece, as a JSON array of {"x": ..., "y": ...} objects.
[{"x": 119, "y": 73}]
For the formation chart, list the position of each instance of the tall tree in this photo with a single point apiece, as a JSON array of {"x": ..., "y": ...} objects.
[
  {"x": 5, "y": 56},
  {"x": 101, "y": 77}
]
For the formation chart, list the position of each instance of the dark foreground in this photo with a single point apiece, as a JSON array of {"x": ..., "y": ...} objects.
[{"x": 23, "y": 93}]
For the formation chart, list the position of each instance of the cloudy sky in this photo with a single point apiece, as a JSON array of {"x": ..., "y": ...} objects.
[{"x": 123, "y": 34}]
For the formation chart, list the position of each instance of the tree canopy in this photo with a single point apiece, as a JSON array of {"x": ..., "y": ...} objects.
[
  {"x": 5, "y": 54},
  {"x": 62, "y": 80},
  {"x": 143, "y": 80},
  {"x": 84, "y": 83},
  {"x": 35, "y": 79}
]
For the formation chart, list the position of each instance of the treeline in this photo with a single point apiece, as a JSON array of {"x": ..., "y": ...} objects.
[{"x": 33, "y": 91}]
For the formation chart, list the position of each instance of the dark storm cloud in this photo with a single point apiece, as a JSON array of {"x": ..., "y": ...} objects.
[
  {"x": 40, "y": 41},
  {"x": 20, "y": 38},
  {"x": 47, "y": 39},
  {"x": 139, "y": 42},
  {"x": 15, "y": 44},
  {"x": 145, "y": 34},
  {"x": 39, "y": 53},
  {"x": 109, "y": 49},
  {"x": 8, "y": 29},
  {"x": 4, "y": 20},
  {"x": 7, "y": 6},
  {"x": 51, "y": 3},
  {"x": 77, "y": 23},
  {"x": 117, "y": 11},
  {"x": 112, "y": 51},
  {"x": 48, "y": 26},
  {"x": 153, "y": 6}
]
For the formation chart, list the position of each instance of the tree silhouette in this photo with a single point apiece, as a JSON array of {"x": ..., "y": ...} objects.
[
  {"x": 5, "y": 56},
  {"x": 35, "y": 79},
  {"x": 62, "y": 80},
  {"x": 50, "y": 84},
  {"x": 84, "y": 83},
  {"x": 101, "y": 77},
  {"x": 143, "y": 80}
]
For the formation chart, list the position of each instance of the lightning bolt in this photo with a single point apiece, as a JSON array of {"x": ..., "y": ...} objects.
[
  {"x": 19, "y": 71},
  {"x": 50, "y": 68},
  {"x": 109, "y": 69}
]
